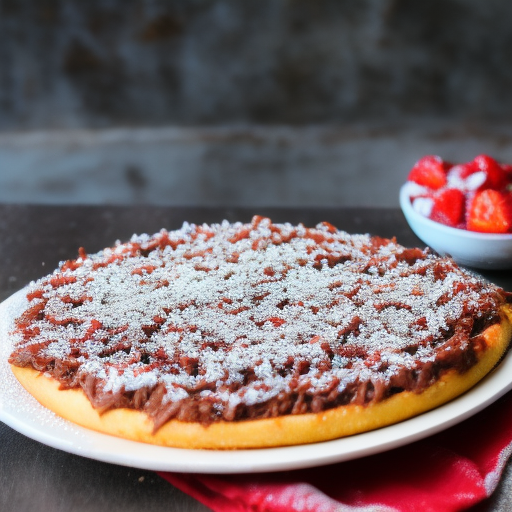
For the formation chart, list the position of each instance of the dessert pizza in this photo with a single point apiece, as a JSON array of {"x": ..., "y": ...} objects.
[{"x": 255, "y": 335}]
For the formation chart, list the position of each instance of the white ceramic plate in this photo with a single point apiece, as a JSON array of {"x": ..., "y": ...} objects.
[{"x": 21, "y": 412}]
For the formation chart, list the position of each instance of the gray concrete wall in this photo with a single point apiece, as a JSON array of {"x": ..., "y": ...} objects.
[{"x": 249, "y": 165}]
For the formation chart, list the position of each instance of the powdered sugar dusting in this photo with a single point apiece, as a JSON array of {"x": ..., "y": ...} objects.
[{"x": 241, "y": 313}]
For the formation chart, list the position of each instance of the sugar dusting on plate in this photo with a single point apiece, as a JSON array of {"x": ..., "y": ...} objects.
[{"x": 16, "y": 404}]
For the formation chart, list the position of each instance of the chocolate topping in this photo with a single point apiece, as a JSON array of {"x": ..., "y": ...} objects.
[{"x": 238, "y": 321}]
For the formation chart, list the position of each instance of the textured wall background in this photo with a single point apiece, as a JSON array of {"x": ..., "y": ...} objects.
[
  {"x": 99, "y": 63},
  {"x": 370, "y": 72},
  {"x": 251, "y": 166}
]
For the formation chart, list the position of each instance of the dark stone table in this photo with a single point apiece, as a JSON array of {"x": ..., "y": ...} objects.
[{"x": 33, "y": 239}]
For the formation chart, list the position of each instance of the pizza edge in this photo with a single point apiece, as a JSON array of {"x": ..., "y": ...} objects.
[{"x": 342, "y": 421}]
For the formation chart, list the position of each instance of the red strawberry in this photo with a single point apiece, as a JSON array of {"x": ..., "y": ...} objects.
[
  {"x": 490, "y": 211},
  {"x": 495, "y": 175},
  {"x": 448, "y": 207},
  {"x": 507, "y": 169},
  {"x": 467, "y": 169},
  {"x": 429, "y": 171}
]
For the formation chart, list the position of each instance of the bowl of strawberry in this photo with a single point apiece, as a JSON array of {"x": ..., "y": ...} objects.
[{"x": 462, "y": 210}]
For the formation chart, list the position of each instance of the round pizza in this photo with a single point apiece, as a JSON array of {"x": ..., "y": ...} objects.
[{"x": 253, "y": 335}]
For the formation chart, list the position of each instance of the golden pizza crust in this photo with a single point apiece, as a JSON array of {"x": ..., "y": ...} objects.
[{"x": 73, "y": 405}]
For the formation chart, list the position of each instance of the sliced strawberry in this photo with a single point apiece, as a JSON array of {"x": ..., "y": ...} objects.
[
  {"x": 490, "y": 211},
  {"x": 430, "y": 171},
  {"x": 507, "y": 168},
  {"x": 448, "y": 207},
  {"x": 455, "y": 177},
  {"x": 495, "y": 175},
  {"x": 467, "y": 169}
]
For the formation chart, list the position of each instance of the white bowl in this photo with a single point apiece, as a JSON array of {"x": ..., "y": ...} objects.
[{"x": 479, "y": 250}]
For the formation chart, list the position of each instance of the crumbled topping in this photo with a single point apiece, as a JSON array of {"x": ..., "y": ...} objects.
[{"x": 239, "y": 315}]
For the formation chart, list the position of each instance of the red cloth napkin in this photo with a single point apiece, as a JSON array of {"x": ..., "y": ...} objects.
[{"x": 446, "y": 472}]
